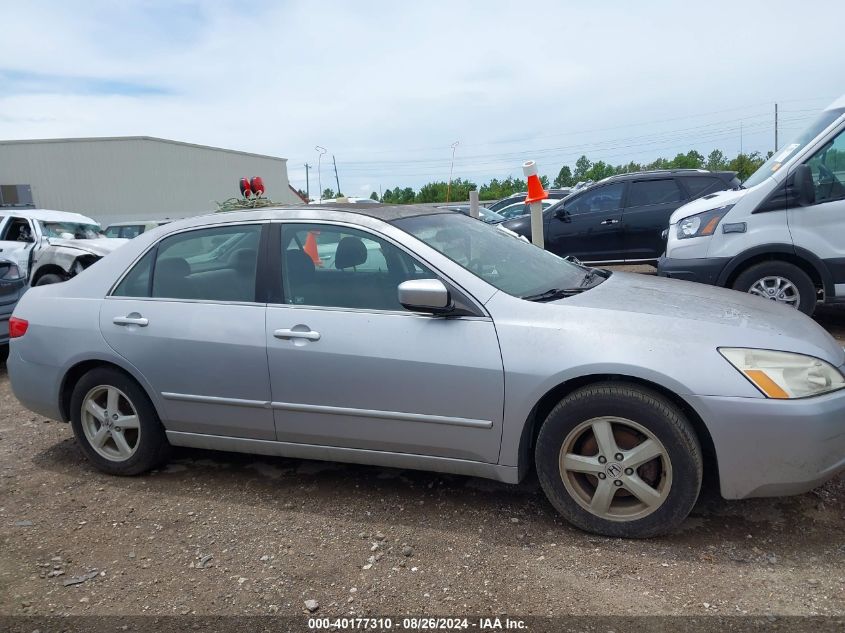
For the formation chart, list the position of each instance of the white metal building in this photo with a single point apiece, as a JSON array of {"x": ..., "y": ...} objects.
[{"x": 131, "y": 178}]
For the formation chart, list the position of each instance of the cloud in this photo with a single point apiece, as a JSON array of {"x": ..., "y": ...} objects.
[{"x": 387, "y": 87}]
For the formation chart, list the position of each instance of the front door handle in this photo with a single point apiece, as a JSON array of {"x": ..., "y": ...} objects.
[
  {"x": 131, "y": 320},
  {"x": 310, "y": 335},
  {"x": 609, "y": 221}
]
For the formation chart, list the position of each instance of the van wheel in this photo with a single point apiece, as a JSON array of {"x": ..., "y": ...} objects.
[
  {"x": 781, "y": 282},
  {"x": 49, "y": 278},
  {"x": 619, "y": 460},
  {"x": 115, "y": 423}
]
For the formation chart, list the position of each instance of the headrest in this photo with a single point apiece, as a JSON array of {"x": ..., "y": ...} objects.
[
  {"x": 298, "y": 263},
  {"x": 244, "y": 259},
  {"x": 172, "y": 267},
  {"x": 350, "y": 252}
]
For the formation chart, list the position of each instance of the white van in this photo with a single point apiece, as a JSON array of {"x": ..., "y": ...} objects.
[
  {"x": 782, "y": 235},
  {"x": 51, "y": 246}
]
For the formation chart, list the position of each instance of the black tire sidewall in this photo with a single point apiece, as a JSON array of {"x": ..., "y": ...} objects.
[
  {"x": 793, "y": 273},
  {"x": 49, "y": 278},
  {"x": 653, "y": 412},
  {"x": 153, "y": 448}
]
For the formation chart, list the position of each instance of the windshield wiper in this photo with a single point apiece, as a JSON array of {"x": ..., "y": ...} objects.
[{"x": 554, "y": 293}]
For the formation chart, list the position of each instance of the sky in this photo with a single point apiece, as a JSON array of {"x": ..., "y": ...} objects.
[{"x": 387, "y": 88}]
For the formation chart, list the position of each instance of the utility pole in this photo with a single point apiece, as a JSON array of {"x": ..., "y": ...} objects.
[
  {"x": 307, "y": 183},
  {"x": 336, "y": 179},
  {"x": 776, "y": 127},
  {"x": 320, "y": 151}
]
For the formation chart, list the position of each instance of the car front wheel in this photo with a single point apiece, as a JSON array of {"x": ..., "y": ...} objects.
[
  {"x": 49, "y": 278},
  {"x": 115, "y": 423},
  {"x": 619, "y": 460},
  {"x": 781, "y": 282}
]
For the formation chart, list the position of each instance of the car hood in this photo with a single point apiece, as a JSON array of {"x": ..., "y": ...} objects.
[
  {"x": 732, "y": 318},
  {"x": 100, "y": 246},
  {"x": 712, "y": 201}
]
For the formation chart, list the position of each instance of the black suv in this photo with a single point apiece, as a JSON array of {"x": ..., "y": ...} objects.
[{"x": 620, "y": 219}]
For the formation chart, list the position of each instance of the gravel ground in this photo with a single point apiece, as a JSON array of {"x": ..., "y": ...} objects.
[{"x": 217, "y": 533}]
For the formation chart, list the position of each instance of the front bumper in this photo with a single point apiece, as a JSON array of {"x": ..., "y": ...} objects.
[
  {"x": 705, "y": 270},
  {"x": 771, "y": 448}
]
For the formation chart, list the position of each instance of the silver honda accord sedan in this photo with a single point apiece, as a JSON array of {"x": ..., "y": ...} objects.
[{"x": 421, "y": 338}]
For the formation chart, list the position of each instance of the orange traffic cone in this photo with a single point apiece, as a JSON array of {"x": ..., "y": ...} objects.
[
  {"x": 535, "y": 189},
  {"x": 311, "y": 249}
]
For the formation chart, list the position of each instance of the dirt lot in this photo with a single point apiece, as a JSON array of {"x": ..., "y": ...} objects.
[{"x": 218, "y": 533}]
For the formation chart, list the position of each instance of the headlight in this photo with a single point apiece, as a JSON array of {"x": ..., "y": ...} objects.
[
  {"x": 10, "y": 272},
  {"x": 784, "y": 375},
  {"x": 702, "y": 224}
]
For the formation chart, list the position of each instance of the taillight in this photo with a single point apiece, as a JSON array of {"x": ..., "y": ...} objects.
[{"x": 17, "y": 327}]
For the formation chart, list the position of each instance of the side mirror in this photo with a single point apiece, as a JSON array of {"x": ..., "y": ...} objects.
[
  {"x": 803, "y": 188},
  {"x": 561, "y": 214},
  {"x": 425, "y": 295}
]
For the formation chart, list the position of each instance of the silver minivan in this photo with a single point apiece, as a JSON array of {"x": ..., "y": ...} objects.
[{"x": 782, "y": 235}]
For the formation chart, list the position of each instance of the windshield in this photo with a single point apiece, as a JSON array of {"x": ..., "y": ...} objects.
[
  {"x": 71, "y": 230},
  {"x": 509, "y": 263},
  {"x": 788, "y": 151}
]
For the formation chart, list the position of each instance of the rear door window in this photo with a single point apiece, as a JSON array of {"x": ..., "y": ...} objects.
[
  {"x": 649, "y": 192},
  {"x": 195, "y": 265}
]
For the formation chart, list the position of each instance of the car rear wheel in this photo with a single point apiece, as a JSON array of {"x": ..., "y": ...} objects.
[
  {"x": 115, "y": 423},
  {"x": 49, "y": 278},
  {"x": 619, "y": 460},
  {"x": 781, "y": 282}
]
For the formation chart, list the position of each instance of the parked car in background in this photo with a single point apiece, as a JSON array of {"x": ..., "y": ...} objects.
[
  {"x": 52, "y": 246},
  {"x": 484, "y": 214},
  {"x": 345, "y": 200},
  {"x": 518, "y": 209},
  {"x": 12, "y": 286},
  {"x": 782, "y": 236},
  {"x": 128, "y": 230},
  {"x": 554, "y": 194},
  {"x": 462, "y": 349},
  {"x": 622, "y": 218}
]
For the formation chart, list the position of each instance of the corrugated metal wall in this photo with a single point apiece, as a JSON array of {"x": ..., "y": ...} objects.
[{"x": 114, "y": 180}]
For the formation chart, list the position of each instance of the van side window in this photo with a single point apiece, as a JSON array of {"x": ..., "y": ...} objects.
[{"x": 828, "y": 169}]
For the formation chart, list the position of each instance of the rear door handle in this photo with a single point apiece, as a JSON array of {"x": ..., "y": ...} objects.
[
  {"x": 129, "y": 320},
  {"x": 610, "y": 221},
  {"x": 310, "y": 335}
]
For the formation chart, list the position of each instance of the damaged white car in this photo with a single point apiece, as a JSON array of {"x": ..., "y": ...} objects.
[{"x": 52, "y": 246}]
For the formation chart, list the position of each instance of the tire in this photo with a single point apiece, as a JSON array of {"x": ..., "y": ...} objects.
[
  {"x": 49, "y": 278},
  {"x": 635, "y": 416},
  {"x": 146, "y": 444},
  {"x": 760, "y": 278}
]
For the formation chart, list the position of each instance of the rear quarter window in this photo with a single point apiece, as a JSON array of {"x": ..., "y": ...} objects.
[{"x": 702, "y": 185}]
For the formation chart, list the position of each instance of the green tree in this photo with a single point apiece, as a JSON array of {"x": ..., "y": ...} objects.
[
  {"x": 582, "y": 166},
  {"x": 564, "y": 178},
  {"x": 690, "y": 160},
  {"x": 599, "y": 170},
  {"x": 387, "y": 196},
  {"x": 328, "y": 193},
  {"x": 373, "y": 196},
  {"x": 716, "y": 161}
]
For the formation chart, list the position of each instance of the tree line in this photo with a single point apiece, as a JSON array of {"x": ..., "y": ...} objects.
[{"x": 584, "y": 170}]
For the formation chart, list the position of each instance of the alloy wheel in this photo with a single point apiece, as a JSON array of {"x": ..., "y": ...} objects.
[
  {"x": 778, "y": 289},
  {"x": 110, "y": 423},
  {"x": 615, "y": 468}
]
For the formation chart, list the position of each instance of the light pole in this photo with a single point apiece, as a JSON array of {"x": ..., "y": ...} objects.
[
  {"x": 451, "y": 167},
  {"x": 320, "y": 151}
]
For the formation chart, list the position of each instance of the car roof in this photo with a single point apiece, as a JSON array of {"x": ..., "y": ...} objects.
[
  {"x": 305, "y": 212},
  {"x": 137, "y": 222},
  {"x": 47, "y": 215},
  {"x": 658, "y": 173}
]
